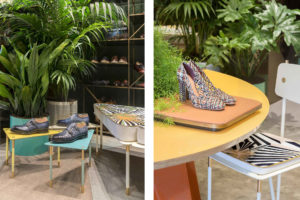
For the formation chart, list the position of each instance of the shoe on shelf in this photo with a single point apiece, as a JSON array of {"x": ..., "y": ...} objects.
[
  {"x": 205, "y": 84},
  {"x": 139, "y": 67},
  {"x": 36, "y": 125},
  {"x": 124, "y": 83},
  {"x": 102, "y": 82},
  {"x": 140, "y": 85},
  {"x": 117, "y": 83},
  {"x": 187, "y": 84},
  {"x": 105, "y": 60},
  {"x": 123, "y": 60},
  {"x": 73, "y": 132},
  {"x": 95, "y": 61},
  {"x": 75, "y": 118},
  {"x": 115, "y": 59}
]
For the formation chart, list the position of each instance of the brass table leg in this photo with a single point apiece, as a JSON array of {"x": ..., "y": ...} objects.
[
  {"x": 101, "y": 134},
  {"x": 13, "y": 159},
  {"x": 82, "y": 171},
  {"x": 58, "y": 156},
  {"x": 6, "y": 160},
  {"x": 97, "y": 142},
  {"x": 127, "y": 169},
  {"x": 50, "y": 153}
]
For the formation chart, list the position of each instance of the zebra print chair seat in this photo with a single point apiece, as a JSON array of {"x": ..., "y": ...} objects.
[{"x": 262, "y": 153}]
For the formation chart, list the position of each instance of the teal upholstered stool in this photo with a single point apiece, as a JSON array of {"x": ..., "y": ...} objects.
[{"x": 82, "y": 145}]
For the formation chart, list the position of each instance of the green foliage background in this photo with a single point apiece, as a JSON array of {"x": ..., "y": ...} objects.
[{"x": 166, "y": 62}]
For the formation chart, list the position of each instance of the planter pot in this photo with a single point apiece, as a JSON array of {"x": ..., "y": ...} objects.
[
  {"x": 61, "y": 110},
  {"x": 260, "y": 83},
  {"x": 29, "y": 146}
]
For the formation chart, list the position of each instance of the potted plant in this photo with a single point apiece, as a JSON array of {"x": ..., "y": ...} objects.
[
  {"x": 250, "y": 32},
  {"x": 24, "y": 81},
  {"x": 77, "y": 24},
  {"x": 196, "y": 21}
]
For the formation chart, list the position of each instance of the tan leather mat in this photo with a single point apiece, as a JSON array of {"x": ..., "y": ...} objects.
[{"x": 188, "y": 115}]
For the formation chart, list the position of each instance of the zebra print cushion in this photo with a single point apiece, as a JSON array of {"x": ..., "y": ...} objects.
[
  {"x": 123, "y": 115},
  {"x": 265, "y": 150}
]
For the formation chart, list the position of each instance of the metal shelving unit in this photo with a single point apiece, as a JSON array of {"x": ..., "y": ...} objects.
[{"x": 131, "y": 77}]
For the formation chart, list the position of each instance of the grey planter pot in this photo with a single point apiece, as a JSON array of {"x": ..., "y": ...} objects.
[{"x": 60, "y": 110}]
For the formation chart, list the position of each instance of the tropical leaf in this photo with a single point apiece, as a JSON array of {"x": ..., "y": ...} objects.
[
  {"x": 235, "y": 9},
  {"x": 5, "y": 93},
  {"x": 8, "y": 65}
]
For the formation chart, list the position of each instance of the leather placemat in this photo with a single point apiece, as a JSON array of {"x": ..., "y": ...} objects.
[{"x": 188, "y": 115}]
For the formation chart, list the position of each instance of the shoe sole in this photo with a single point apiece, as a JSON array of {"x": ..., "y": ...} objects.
[
  {"x": 65, "y": 125},
  {"x": 36, "y": 131},
  {"x": 70, "y": 141}
]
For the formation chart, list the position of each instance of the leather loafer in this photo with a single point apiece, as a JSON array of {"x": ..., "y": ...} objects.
[
  {"x": 74, "y": 119},
  {"x": 73, "y": 132},
  {"x": 37, "y": 125}
]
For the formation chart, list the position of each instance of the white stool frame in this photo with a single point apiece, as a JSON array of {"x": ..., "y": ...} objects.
[{"x": 287, "y": 83}]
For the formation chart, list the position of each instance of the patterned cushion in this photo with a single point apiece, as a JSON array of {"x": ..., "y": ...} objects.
[
  {"x": 261, "y": 153},
  {"x": 124, "y": 122},
  {"x": 123, "y": 115}
]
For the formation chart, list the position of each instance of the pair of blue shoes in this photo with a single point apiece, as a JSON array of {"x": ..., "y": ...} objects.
[{"x": 77, "y": 128}]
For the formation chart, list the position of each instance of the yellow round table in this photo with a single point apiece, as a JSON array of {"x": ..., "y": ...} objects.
[{"x": 175, "y": 145}]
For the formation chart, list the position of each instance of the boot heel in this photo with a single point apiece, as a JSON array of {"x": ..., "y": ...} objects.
[{"x": 182, "y": 92}]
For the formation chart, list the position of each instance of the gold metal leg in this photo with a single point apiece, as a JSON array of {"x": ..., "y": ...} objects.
[
  {"x": 82, "y": 171},
  {"x": 127, "y": 169},
  {"x": 101, "y": 134},
  {"x": 6, "y": 150},
  {"x": 13, "y": 159},
  {"x": 50, "y": 167},
  {"x": 58, "y": 156},
  {"x": 97, "y": 145},
  {"x": 258, "y": 186}
]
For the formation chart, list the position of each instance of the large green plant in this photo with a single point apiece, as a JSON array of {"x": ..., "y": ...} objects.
[
  {"x": 24, "y": 78},
  {"x": 251, "y": 31},
  {"x": 166, "y": 62},
  {"x": 78, "y": 24},
  {"x": 195, "y": 19}
]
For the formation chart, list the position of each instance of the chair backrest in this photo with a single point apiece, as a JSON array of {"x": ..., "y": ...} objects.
[
  {"x": 288, "y": 87},
  {"x": 288, "y": 82}
]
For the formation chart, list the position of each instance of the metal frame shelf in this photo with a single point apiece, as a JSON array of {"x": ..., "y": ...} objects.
[{"x": 131, "y": 41}]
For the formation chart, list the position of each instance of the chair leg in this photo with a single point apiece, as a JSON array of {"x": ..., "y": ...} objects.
[
  {"x": 278, "y": 186},
  {"x": 209, "y": 180},
  {"x": 271, "y": 189},
  {"x": 258, "y": 195}
]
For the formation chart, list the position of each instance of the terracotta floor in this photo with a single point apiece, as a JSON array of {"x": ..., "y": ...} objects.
[{"x": 230, "y": 185}]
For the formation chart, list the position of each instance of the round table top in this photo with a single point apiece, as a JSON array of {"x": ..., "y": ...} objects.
[{"x": 176, "y": 144}]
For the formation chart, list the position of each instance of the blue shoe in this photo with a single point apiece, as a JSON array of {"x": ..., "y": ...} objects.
[
  {"x": 74, "y": 119},
  {"x": 73, "y": 132},
  {"x": 38, "y": 125}
]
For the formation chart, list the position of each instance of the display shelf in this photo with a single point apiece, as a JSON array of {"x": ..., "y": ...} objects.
[
  {"x": 116, "y": 64},
  {"x": 105, "y": 86},
  {"x": 137, "y": 88},
  {"x": 137, "y": 14},
  {"x": 137, "y": 39},
  {"x": 133, "y": 43}
]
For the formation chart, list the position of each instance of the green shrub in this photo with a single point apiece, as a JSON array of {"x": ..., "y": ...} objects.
[{"x": 166, "y": 62}]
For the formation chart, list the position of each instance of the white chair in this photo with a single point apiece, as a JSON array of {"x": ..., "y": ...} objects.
[{"x": 263, "y": 155}]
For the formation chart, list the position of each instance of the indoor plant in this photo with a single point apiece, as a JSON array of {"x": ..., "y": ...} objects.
[
  {"x": 24, "y": 81},
  {"x": 79, "y": 24},
  {"x": 251, "y": 31},
  {"x": 196, "y": 20}
]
